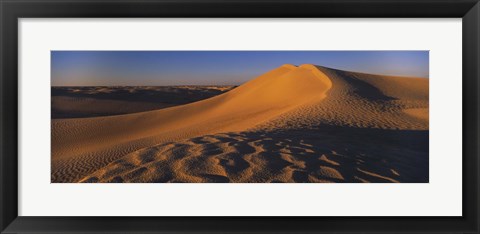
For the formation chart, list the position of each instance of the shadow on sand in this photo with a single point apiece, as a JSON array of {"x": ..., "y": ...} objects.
[{"x": 327, "y": 154}]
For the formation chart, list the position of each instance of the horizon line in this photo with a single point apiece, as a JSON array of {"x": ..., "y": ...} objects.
[{"x": 333, "y": 68}]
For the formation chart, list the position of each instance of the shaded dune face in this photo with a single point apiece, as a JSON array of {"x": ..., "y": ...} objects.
[{"x": 292, "y": 124}]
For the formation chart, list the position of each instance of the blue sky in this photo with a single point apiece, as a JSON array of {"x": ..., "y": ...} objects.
[{"x": 91, "y": 68}]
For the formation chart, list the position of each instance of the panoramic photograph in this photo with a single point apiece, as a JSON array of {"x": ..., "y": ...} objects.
[{"x": 239, "y": 116}]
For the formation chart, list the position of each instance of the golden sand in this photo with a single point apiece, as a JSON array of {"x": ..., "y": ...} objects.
[{"x": 292, "y": 124}]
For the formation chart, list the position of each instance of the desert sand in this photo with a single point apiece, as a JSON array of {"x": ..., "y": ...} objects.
[{"x": 292, "y": 124}]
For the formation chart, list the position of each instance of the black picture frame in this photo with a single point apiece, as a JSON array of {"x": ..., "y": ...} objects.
[{"x": 11, "y": 11}]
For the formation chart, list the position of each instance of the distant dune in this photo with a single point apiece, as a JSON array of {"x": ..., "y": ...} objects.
[
  {"x": 292, "y": 124},
  {"x": 93, "y": 101}
]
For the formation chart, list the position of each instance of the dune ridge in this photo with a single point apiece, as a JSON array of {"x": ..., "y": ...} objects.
[{"x": 292, "y": 124}]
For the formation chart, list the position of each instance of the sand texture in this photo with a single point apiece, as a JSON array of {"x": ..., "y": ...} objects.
[{"x": 291, "y": 124}]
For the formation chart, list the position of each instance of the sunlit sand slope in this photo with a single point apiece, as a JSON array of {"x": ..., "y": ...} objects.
[{"x": 82, "y": 146}]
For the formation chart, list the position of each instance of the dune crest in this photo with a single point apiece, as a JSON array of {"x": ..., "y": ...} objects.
[{"x": 81, "y": 146}]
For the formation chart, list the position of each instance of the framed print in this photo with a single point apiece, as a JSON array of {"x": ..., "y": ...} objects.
[
  {"x": 269, "y": 116},
  {"x": 277, "y": 127}
]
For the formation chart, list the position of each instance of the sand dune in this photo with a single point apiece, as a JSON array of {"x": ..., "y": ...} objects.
[
  {"x": 364, "y": 101},
  {"x": 292, "y": 124}
]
